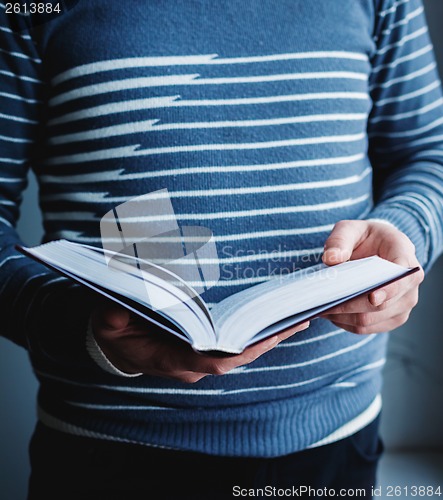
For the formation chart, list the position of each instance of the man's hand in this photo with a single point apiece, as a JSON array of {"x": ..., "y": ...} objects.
[
  {"x": 134, "y": 346},
  {"x": 388, "y": 307}
]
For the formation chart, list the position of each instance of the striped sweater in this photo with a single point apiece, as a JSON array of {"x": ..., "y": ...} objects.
[{"x": 267, "y": 122}]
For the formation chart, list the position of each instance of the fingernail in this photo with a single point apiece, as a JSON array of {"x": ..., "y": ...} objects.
[
  {"x": 379, "y": 297},
  {"x": 335, "y": 255},
  {"x": 307, "y": 325},
  {"x": 272, "y": 342}
]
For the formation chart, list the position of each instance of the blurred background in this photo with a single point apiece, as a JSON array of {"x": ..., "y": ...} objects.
[{"x": 413, "y": 397}]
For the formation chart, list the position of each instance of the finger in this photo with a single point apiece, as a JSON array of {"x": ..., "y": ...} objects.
[
  {"x": 390, "y": 293},
  {"x": 395, "y": 291},
  {"x": 345, "y": 236},
  {"x": 358, "y": 305},
  {"x": 271, "y": 342},
  {"x": 383, "y": 298},
  {"x": 188, "y": 377},
  {"x": 370, "y": 319},
  {"x": 221, "y": 366},
  {"x": 178, "y": 362},
  {"x": 382, "y": 327},
  {"x": 292, "y": 330}
]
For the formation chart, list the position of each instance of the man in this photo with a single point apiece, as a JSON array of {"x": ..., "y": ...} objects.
[{"x": 296, "y": 131}]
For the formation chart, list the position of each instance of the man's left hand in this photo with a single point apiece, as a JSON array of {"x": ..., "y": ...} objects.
[{"x": 386, "y": 308}]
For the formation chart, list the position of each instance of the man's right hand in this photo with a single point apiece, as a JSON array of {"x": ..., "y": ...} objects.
[{"x": 132, "y": 346}]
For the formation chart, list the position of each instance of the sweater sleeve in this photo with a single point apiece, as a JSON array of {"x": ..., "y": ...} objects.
[
  {"x": 405, "y": 127},
  {"x": 40, "y": 310}
]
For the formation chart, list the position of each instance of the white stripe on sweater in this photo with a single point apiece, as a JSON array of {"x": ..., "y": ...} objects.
[
  {"x": 101, "y": 197},
  {"x": 20, "y": 77},
  {"x": 410, "y": 76},
  {"x": 410, "y": 95},
  {"x": 407, "y": 38},
  {"x": 256, "y": 212},
  {"x": 403, "y": 22},
  {"x": 154, "y": 126},
  {"x": 119, "y": 175},
  {"x": 410, "y": 57},
  {"x": 194, "y": 79},
  {"x": 409, "y": 114},
  {"x": 21, "y": 56},
  {"x": 291, "y": 366},
  {"x": 411, "y": 132},
  {"x": 393, "y": 8},
  {"x": 209, "y": 59},
  {"x": 176, "y": 101},
  {"x": 77, "y": 236},
  {"x": 134, "y": 151}
]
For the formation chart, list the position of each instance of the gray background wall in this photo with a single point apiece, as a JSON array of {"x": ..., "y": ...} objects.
[
  {"x": 413, "y": 393},
  {"x": 413, "y": 396}
]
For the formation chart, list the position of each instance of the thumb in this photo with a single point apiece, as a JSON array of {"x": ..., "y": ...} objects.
[{"x": 344, "y": 238}]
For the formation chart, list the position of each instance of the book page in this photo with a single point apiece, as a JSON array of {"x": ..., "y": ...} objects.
[
  {"x": 129, "y": 283},
  {"x": 164, "y": 274},
  {"x": 243, "y": 316}
]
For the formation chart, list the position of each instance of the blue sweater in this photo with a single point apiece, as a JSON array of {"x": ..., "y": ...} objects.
[{"x": 268, "y": 122}]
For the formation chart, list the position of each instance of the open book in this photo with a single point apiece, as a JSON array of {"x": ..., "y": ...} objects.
[{"x": 163, "y": 298}]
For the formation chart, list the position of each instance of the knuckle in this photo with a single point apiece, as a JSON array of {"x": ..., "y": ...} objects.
[
  {"x": 161, "y": 364},
  {"x": 363, "y": 320},
  {"x": 342, "y": 224},
  {"x": 338, "y": 238},
  {"x": 403, "y": 318},
  {"x": 413, "y": 301},
  {"x": 339, "y": 230},
  {"x": 360, "y": 330},
  {"x": 218, "y": 369},
  {"x": 420, "y": 276}
]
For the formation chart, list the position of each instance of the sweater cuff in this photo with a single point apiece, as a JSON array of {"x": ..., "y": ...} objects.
[
  {"x": 409, "y": 224},
  {"x": 100, "y": 358}
]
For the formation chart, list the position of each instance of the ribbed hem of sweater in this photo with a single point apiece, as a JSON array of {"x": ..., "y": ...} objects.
[
  {"x": 261, "y": 430},
  {"x": 100, "y": 358}
]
